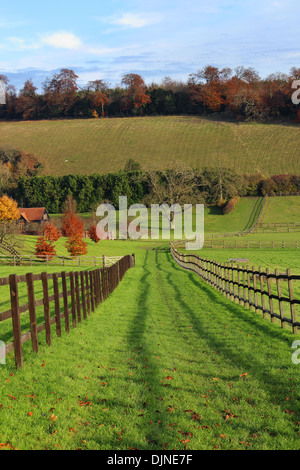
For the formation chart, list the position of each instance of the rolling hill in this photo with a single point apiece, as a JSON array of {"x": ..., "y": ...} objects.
[{"x": 104, "y": 145}]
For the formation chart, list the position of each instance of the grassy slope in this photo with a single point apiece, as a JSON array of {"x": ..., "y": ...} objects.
[
  {"x": 281, "y": 210},
  {"x": 166, "y": 374},
  {"x": 81, "y": 146}
]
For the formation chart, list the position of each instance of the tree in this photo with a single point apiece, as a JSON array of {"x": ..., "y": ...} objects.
[
  {"x": 131, "y": 165},
  {"x": 92, "y": 233},
  {"x": 28, "y": 101},
  {"x": 51, "y": 233},
  {"x": 60, "y": 92},
  {"x": 8, "y": 210},
  {"x": 76, "y": 246},
  {"x": 44, "y": 249},
  {"x": 177, "y": 185},
  {"x": 97, "y": 91},
  {"x": 136, "y": 96}
]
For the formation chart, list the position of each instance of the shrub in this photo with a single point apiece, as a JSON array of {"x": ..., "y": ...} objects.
[
  {"x": 230, "y": 205},
  {"x": 44, "y": 248},
  {"x": 76, "y": 246},
  {"x": 92, "y": 233},
  {"x": 51, "y": 233}
]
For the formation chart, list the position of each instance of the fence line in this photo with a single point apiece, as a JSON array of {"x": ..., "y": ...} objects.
[
  {"x": 31, "y": 260},
  {"x": 252, "y": 288},
  {"x": 81, "y": 293},
  {"x": 239, "y": 244}
]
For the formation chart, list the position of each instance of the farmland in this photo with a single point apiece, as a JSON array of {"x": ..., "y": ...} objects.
[
  {"x": 104, "y": 145},
  {"x": 166, "y": 362},
  {"x": 172, "y": 375}
]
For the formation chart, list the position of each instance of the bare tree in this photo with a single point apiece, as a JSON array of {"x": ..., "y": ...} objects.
[{"x": 174, "y": 186}]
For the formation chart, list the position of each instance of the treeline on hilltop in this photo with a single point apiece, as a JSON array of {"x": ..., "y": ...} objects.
[
  {"x": 241, "y": 94},
  {"x": 210, "y": 186}
]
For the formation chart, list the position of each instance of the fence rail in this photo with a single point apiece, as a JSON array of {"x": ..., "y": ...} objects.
[
  {"x": 253, "y": 288},
  {"x": 243, "y": 244},
  {"x": 81, "y": 293},
  {"x": 32, "y": 260}
]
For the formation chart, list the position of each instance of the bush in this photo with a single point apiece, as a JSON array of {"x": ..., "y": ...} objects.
[
  {"x": 229, "y": 207},
  {"x": 44, "y": 248}
]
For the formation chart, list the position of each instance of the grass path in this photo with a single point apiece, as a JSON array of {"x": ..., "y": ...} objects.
[{"x": 166, "y": 362}]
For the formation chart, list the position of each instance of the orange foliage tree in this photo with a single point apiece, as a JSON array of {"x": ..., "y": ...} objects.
[
  {"x": 51, "y": 233},
  {"x": 76, "y": 246},
  {"x": 44, "y": 249},
  {"x": 92, "y": 233}
]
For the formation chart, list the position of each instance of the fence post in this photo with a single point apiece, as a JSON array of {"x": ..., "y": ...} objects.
[
  {"x": 57, "y": 305},
  {"x": 292, "y": 306},
  {"x": 46, "y": 308},
  {"x": 92, "y": 290},
  {"x": 83, "y": 294},
  {"x": 77, "y": 291},
  {"x": 73, "y": 303},
  {"x": 87, "y": 287},
  {"x": 65, "y": 297},
  {"x": 270, "y": 294},
  {"x": 32, "y": 312},
  {"x": 279, "y": 298},
  {"x": 15, "y": 314}
]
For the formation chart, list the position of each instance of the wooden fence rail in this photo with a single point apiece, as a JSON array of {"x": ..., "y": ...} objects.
[
  {"x": 81, "y": 293},
  {"x": 253, "y": 288}
]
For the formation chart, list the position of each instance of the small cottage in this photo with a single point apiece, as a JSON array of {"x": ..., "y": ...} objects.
[{"x": 33, "y": 215}]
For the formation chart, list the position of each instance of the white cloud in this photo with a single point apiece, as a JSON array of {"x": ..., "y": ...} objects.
[
  {"x": 134, "y": 20},
  {"x": 62, "y": 40}
]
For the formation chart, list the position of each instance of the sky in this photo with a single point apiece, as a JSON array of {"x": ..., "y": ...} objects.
[{"x": 105, "y": 39}]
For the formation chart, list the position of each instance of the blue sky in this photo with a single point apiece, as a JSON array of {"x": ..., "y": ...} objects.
[{"x": 106, "y": 39}]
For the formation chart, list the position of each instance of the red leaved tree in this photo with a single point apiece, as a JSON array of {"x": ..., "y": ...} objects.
[
  {"x": 72, "y": 225},
  {"x": 44, "y": 249},
  {"x": 92, "y": 233},
  {"x": 51, "y": 233},
  {"x": 76, "y": 246}
]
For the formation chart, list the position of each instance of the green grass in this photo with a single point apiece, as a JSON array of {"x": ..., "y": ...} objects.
[
  {"x": 285, "y": 209},
  {"x": 160, "y": 365},
  {"x": 104, "y": 145}
]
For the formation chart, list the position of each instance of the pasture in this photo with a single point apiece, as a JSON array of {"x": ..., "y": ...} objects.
[{"x": 104, "y": 145}]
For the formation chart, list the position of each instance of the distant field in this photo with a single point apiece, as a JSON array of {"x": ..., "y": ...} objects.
[
  {"x": 281, "y": 210},
  {"x": 104, "y": 145}
]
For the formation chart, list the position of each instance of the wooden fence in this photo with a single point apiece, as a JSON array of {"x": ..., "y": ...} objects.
[
  {"x": 251, "y": 244},
  {"x": 265, "y": 227},
  {"x": 81, "y": 293},
  {"x": 271, "y": 293},
  {"x": 32, "y": 260}
]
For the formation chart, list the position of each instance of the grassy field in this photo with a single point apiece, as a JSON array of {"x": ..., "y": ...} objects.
[
  {"x": 104, "y": 145},
  {"x": 165, "y": 363},
  {"x": 283, "y": 209}
]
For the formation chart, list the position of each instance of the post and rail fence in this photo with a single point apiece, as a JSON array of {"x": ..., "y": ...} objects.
[
  {"x": 81, "y": 293},
  {"x": 270, "y": 293}
]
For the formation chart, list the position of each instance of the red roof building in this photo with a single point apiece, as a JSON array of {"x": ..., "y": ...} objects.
[{"x": 34, "y": 215}]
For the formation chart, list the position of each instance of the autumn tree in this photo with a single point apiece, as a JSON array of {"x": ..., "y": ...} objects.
[
  {"x": 60, "y": 92},
  {"x": 207, "y": 86},
  {"x": 28, "y": 101},
  {"x": 98, "y": 94},
  {"x": 76, "y": 246},
  {"x": 92, "y": 233},
  {"x": 9, "y": 214},
  {"x": 51, "y": 233},
  {"x": 136, "y": 96},
  {"x": 44, "y": 249}
]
